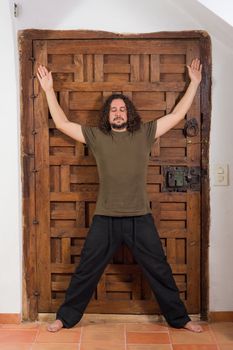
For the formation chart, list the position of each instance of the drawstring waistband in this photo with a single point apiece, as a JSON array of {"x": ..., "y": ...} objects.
[
  {"x": 134, "y": 232},
  {"x": 110, "y": 231}
]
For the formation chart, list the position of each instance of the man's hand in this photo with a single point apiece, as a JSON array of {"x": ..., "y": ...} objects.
[
  {"x": 167, "y": 122},
  {"x": 194, "y": 71},
  {"x": 45, "y": 78}
]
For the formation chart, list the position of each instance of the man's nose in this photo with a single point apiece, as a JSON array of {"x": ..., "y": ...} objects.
[{"x": 119, "y": 113}]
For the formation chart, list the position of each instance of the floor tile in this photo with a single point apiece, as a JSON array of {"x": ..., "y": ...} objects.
[
  {"x": 145, "y": 327},
  {"x": 17, "y": 336},
  {"x": 195, "y": 347},
  {"x": 204, "y": 326},
  {"x": 23, "y": 325},
  {"x": 65, "y": 335},
  {"x": 104, "y": 327},
  {"x": 223, "y": 332},
  {"x": 55, "y": 346},
  {"x": 101, "y": 346},
  {"x": 225, "y": 347},
  {"x": 149, "y": 347},
  {"x": 188, "y": 337},
  {"x": 44, "y": 325},
  {"x": 114, "y": 336},
  {"x": 15, "y": 346},
  {"x": 147, "y": 338},
  {"x": 95, "y": 335}
]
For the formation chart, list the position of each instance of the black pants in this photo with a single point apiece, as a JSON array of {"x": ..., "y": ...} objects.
[{"x": 105, "y": 235}]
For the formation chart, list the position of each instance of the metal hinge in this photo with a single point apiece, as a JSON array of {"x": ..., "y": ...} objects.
[
  {"x": 204, "y": 172},
  {"x": 16, "y": 10},
  {"x": 205, "y": 140},
  {"x": 33, "y": 96},
  {"x": 29, "y": 154}
]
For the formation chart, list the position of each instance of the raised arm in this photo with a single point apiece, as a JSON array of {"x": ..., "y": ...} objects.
[
  {"x": 62, "y": 123},
  {"x": 167, "y": 122}
]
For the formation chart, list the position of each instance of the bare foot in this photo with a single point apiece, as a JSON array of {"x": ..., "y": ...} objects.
[
  {"x": 194, "y": 327},
  {"x": 55, "y": 326}
]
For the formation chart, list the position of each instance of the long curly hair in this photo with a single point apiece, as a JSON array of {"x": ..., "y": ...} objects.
[{"x": 133, "y": 118}]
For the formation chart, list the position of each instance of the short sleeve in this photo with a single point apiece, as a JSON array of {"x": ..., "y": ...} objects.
[
  {"x": 89, "y": 133},
  {"x": 150, "y": 130}
]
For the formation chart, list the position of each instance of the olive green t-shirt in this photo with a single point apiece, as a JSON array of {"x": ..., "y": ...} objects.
[{"x": 122, "y": 162}]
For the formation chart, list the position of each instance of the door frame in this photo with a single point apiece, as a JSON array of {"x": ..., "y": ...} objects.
[{"x": 29, "y": 220}]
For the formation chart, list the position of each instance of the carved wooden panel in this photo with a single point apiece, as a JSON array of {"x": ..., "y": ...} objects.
[{"x": 152, "y": 73}]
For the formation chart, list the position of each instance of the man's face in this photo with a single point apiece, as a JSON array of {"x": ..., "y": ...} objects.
[{"x": 118, "y": 115}]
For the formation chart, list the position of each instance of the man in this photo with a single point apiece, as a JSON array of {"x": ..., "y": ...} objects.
[{"x": 121, "y": 145}]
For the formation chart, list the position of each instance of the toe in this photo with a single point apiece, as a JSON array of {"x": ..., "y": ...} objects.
[
  {"x": 54, "y": 327},
  {"x": 193, "y": 327},
  {"x": 51, "y": 328}
]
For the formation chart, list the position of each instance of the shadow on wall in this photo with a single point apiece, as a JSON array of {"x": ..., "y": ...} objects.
[
  {"x": 208, "y": 20},
  {"x": 118, "y": 16}
]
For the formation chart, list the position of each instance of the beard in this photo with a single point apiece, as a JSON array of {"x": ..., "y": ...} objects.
[{"x": 119, "y": 126}]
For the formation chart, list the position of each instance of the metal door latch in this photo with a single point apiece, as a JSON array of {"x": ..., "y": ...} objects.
[{"x": 179, "y": 179}]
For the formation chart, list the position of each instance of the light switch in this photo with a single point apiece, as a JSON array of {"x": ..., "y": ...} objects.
[{"x": 221, "y": 174}]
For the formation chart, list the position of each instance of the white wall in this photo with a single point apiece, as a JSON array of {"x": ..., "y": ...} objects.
[
  {"x": 10, "y": 210},
  {"x": 223, "y": 8},
  {"x": 122, "y": 16},
  {"x": 221, "y": 238}
]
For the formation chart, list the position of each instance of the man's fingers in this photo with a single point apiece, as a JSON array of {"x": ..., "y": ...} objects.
[
  {"x": 195, "y": 65},
  {"x": 38, "y": 75},
  {"x": 46, "y": 70},
  {"x": 41, "y": 71}
]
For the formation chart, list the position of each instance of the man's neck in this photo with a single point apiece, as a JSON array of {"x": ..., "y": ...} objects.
[{"x": 119, "y": 130}]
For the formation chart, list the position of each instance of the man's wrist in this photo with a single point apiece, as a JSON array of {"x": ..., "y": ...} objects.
[
  {"x": 195, "y": 84},
  {"x": 49, "y": 91}
]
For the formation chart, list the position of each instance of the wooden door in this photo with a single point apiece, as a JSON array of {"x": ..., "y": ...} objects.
[{"x": 151, "y": 71}]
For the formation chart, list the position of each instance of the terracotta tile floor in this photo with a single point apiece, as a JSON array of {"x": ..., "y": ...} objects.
[{"x": 116, "y": 336}]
